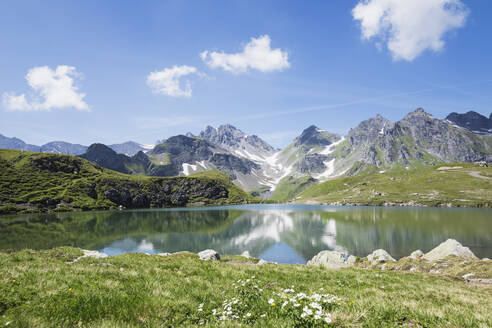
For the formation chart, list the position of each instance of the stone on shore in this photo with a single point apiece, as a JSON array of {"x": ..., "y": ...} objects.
[
  {"x": 449, "y": 247},
  {"x": 417, "y": 255},
  {"x": 332, "y": 260},
  {"x": 209, "y": 255},
  {"x": 379, "y": 256}
]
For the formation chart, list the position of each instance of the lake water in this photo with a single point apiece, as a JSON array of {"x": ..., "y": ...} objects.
[{"x": 280, "y": 233}]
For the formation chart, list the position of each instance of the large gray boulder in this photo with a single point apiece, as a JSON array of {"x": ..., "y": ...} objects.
[
  {"x": 449, "y": 247},
  {"x": 332, "y": 260},
  {"x": 209, "y": 255},
  {"x": 379, "y": 256}
]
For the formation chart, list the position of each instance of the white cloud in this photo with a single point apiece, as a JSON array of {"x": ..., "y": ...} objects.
[
  {"x": 257, "y": 54},
  {"x": 53, "y": 89},
  {"x": 167, "y": 81},
  {"x": 409, "y": 27}
]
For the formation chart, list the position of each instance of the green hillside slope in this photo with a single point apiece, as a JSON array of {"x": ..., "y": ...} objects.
[
  {"x": 467, "y": 185},
  {"x": 41, "y": 181},
  {"x": 289, "y": 187}
]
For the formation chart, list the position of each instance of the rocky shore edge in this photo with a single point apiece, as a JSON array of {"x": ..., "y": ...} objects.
[{"x": 449, "y": 258}]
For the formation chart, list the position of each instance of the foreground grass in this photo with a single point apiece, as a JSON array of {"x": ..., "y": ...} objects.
[
  {"x": 466, "y": 185},
  {"x": 40, "y": 289}
]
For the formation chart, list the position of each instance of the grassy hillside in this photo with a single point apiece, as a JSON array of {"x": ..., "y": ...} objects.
[
  {"x": 43, "y": 289},
  {"x": 289, "y": 187},
  {"x": 42, "y": 181},
  {"x": 465, "y": 184}
]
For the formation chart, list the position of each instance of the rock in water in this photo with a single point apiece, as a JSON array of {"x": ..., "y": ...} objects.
[
  {"x": 332, "y": 260},
  {"x": 449, "y": 247},
  {"x": 379, "y": 256},
  {"x": 209, "y": 254},
  {"x": 416, "y": 255}
]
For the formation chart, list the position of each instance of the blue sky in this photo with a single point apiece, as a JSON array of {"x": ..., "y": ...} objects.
[{"x": 328, "y": 66}]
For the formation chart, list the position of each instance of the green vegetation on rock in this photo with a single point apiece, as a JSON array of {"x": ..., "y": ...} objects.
[
  {"x": 467, "y": 185},
  {"x": 290, "y": 186},
  {"x": 42, "y": 181}
]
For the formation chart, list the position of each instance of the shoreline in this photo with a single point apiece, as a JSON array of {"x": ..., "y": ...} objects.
[{"x": 308, "y": 203}]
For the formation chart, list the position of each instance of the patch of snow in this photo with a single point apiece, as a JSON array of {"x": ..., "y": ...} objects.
[
  {"x": 188, "y": 168},
  {"x": 331, "y": 148},
  {"x": 330, "y": 168},
  {"x": 148, "y": 147},
  {"x": 382, "y": 130}
]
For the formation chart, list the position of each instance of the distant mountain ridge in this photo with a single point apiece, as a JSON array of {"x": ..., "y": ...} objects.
[
  {"x": 472, "y": 121},
  {"x": 128, "y": 148},
  {"x": 376, "y": 144}
]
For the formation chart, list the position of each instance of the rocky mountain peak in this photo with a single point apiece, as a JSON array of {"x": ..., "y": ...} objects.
[
  {"x": 231, "y": 138},
  {"x": 313, "y": 136},
  {"x": 369, "y": 130}
]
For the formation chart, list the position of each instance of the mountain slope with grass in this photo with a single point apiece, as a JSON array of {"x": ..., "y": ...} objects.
[
  {"x": 467, "y": 185},
  {"x": 41, "y": 181}
]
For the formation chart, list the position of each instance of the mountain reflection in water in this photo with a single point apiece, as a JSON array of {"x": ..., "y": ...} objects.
[{"x": 280, "y": 233}]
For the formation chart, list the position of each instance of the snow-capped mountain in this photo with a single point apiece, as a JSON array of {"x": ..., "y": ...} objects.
[
  {"x": 237, "y": 142},
  {"x": 254, "y": 165}
]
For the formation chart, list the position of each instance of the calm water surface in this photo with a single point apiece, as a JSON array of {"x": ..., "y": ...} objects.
[{"x": 280, "y": 233}]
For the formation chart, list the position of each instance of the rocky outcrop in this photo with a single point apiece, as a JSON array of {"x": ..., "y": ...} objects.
[
  {"x": 332, "y": 260},
  {"x": 209, "y": 255},
  {"x": 379, "y": 256},
  {"x": 447, "y": 248},
  {"x": 237, "y": 142},
  {"x": 313, "y": 137},
  {"x": 418, "y": 137}
]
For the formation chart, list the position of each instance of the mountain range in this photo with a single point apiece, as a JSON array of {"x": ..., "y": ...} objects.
[
  {"x": 376, "y": 144},
  {"x": 128, "y": 148}
]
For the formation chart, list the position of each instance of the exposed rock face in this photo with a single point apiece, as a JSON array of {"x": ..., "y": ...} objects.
[
  {"x": 332, "y": 260},
  {"x": 472, "y": 121},
  {"x": 182, "y": 149},
  {"x": 313, "y": 136},
  {"x": 416, "y": 255},
  {"x": 237, "y": 142},
  {"x": 163, "y": 193},
  {"x": 449, "y": 247},
  {"x": 209, "y": 255},
  {"x": 313, "y": 163},
  {"x": 379, "y": 256},
  {"x": 418, "y": 137}
]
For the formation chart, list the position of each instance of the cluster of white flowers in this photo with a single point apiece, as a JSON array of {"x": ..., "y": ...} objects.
[
  {"x": 315, "y": 305},
  {"x": 247, "y": 305}
]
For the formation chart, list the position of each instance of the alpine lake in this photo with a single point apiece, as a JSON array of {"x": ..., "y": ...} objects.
[{"x": 279, "y": 233}]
